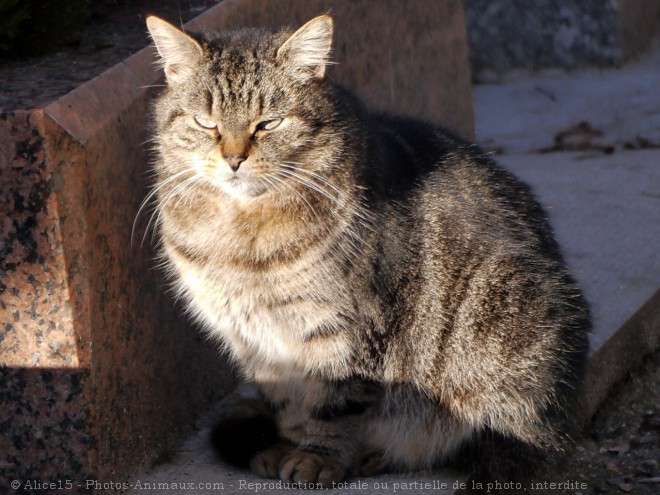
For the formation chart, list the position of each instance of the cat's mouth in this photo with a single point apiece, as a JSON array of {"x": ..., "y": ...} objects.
[{"x": 242, "y": 186}]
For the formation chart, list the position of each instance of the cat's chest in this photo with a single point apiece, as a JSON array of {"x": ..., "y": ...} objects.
[{"x": 269, "y": 320}]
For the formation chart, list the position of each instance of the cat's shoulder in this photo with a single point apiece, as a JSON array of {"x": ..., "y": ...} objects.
[{"x": 408, "y": 151}]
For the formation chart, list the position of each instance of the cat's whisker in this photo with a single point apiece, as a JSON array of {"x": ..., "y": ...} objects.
[
  {"x": 313, "y": 186},
  {"x": 319, "y": 177},
  {"x": 152, "y": 139},
  {"x": 155, "y": 218},
  {"x": 359, "y": 211},
  {"x": 151, "y": 194},
  {"x": 299, "y": 195},
  {"x": 170, "y": 195},
  {"x": 344, "y": 203},
  {"x": 307, "y": 183},
  {"x": 354, "y": 241},
  {"x": 156, "y": 213},
  {"x": 187, "y": 184}
]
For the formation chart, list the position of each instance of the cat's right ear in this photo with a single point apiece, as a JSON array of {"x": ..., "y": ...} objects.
[
  {"x": 179, "y": 52},
  {"x": 307, "y": 51}
]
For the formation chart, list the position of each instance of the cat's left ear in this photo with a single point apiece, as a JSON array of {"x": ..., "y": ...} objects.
[
  {"x": 180, "y": 53},
  {"x": 307, "y": 51}
]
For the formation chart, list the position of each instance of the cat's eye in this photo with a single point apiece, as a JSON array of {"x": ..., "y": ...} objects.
[
  {"x": 268, "y": 125},
  {"x": 204, "y": 122}
]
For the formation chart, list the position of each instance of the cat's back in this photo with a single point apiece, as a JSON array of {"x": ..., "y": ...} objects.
[{"x": 451, "y": 187}]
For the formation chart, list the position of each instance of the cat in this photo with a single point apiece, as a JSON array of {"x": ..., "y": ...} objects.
[{"x": 398, "y": 299}]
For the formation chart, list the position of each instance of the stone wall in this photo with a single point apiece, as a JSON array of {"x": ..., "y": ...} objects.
[{"x": 533, "y": 34}]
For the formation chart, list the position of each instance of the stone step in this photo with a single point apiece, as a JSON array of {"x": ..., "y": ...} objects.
[{"x": 197, "y": 464}]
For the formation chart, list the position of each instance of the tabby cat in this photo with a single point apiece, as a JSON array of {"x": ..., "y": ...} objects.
[{"x": 398, "y": 299}]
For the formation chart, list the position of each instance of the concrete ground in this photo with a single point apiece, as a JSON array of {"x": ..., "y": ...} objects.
[{"x": 605, "y": 209}]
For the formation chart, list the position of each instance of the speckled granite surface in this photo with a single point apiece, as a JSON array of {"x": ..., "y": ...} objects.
[
  {"x": 98, "y": 373},
  {"x": 36, "y": 314}
]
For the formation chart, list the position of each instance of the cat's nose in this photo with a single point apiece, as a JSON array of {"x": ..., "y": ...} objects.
[{"x": 235, "y": 161}]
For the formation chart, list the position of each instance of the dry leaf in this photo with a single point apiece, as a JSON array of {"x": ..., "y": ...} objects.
[
  {"x": 620, "y": 449},
  {"x": 626, "y": 487}
]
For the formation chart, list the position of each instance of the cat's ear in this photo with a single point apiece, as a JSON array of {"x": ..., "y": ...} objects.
[
  {"x": 307, "y": 51},
  {"x": 179, "y": 52}
]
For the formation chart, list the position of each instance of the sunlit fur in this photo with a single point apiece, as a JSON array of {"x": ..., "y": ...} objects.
[{"x": 394, "y": 294}]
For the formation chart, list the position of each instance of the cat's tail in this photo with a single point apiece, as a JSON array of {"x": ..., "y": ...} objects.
[
  {"x": 246, "y": 427},
  {"x": 506, "y": 466}
]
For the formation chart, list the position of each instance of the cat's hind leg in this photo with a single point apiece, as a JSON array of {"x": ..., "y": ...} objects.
[{"x": 412, "y": 431}]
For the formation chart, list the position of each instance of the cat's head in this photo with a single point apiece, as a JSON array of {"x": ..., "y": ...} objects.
[{"x": 246, "y": 110}]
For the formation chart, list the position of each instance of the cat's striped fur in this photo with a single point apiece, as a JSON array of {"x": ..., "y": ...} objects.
[{"x": 393, "y": 293}]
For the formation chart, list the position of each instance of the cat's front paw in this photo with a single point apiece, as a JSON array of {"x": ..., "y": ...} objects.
[
  {"x": 312, "y": 468},
  {"x": 267, "y": 463}
]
